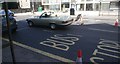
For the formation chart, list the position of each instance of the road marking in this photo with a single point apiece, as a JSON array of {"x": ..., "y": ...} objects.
[
  {"x": 47, "y": 30},
  {"x": 92, "y": 59},
  {"x": 54, "y": 45},
  {"x": 102, "y": 30},
  {"x": 61, "y": 42},
  {"x": 96, "y": 51},
  {"x": 41, "y": 52},
  {"x": 52, "y": 40},
  {"x": 109, "y": 40},
  {"x": 75, "y": 35},
  {"x": 108, "y": 46},
  {"x": 22, "y": 29}
]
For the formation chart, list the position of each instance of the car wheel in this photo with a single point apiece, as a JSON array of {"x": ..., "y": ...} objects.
[
  {"x": 82, "y": 24},
  {"x": 30, "y": 24},
  {"x": 52, "y": 26}
]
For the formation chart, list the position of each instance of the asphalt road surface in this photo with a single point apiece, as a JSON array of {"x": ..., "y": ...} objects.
[{"x": 98, "y": 42}]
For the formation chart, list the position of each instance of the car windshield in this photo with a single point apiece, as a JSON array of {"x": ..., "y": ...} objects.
[{"x": 45, "y": 14}]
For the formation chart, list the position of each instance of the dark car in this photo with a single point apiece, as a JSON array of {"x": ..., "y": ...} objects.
[
  {"x": 13, "y": 24},
  {"x": 47, "y": 19}
]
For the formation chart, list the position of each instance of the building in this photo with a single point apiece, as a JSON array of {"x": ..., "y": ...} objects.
[
  {"x": 98, "y": 7},
  {"x": 85, "y": 7},
  {"x": 95, "y": 5},
  {"x": 21, "y": 6},
  {"x": 51, "y": 4},
  {"x": 56, "y": 5}
]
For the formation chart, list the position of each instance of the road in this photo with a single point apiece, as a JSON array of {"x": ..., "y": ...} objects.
[{"x": 97, "y": 40}]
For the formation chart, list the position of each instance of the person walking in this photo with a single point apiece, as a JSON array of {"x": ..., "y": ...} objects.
[{"x": 79, "y": 19}]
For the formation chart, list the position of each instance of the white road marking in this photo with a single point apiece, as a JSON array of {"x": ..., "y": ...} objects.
[
  {"x": 47, "y": 30},
  {"x": 109, "y": 40},
  {"x": 102, "y": 30},
  {"x": 22, "y": 29},
  {"x": 60, "y": 42},
  {"x": 41, "y": 52},
  {"x": 71, "y": 43},
  {"x": 54, "y": 45},
  {"x": 108, "y": 46},
  {"x": 104, "y": 54},
  {"x": 74, "y": 35}
]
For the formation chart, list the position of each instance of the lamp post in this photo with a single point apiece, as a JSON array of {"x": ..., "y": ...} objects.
[
  {"x": 75, "y": 4},
  {"x": 100, "y": 8},
  {"x": 60, "y": 5},
  {"x": 33, "y": 6},
  {"x": 9, "y": 31}
]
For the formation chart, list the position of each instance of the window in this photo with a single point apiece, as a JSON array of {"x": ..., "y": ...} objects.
[
  {"x": 54, "y": 1},
  {"x": 89, "y": 0},
  {"x": 82, "y": 0},
  {"x": 98, "y": 0},
  {"x": 89, "y": 7},
  {"x": 65, "y": 5},
  {"x": 54, "y": 7},
  {"x": 97, "y": 7},
  {"x": 113, "y": 5},
  {"x": 65, "y": 0},
  {"x": 0, "y": 5},
  {"x": 81, "y": 7},
  {"x": 105, "y": 7},
  {"x": 79, "y": 0},
  {"x": 46, "y": 1},
  {"x": 72, "y": 6},
  {"x": 78, "y": 7}
]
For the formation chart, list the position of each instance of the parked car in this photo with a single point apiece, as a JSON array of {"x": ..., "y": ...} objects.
[
  {"x": 47, "y": 19},
  {"x": 2, "y": 12},
  {"x": 13, "y": 23}
]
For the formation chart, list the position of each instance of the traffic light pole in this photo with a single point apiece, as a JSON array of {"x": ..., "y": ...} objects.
[{"x": 9, "y": 32}]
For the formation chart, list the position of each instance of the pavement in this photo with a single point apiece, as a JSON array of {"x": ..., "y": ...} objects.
[
  {"x": 23, "y": 55},
  {"x": 113, "y": 17}
]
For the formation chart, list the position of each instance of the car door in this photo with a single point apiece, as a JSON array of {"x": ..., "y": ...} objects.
[
  {"x": 36, "y": 20},
  {"x": 43, "y": 20}
]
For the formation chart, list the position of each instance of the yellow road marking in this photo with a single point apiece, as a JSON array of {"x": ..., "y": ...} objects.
[{"x": 41, "y": 52}]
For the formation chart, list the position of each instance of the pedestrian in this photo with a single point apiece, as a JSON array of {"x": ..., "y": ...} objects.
[{"x": 79, "y": 19}]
